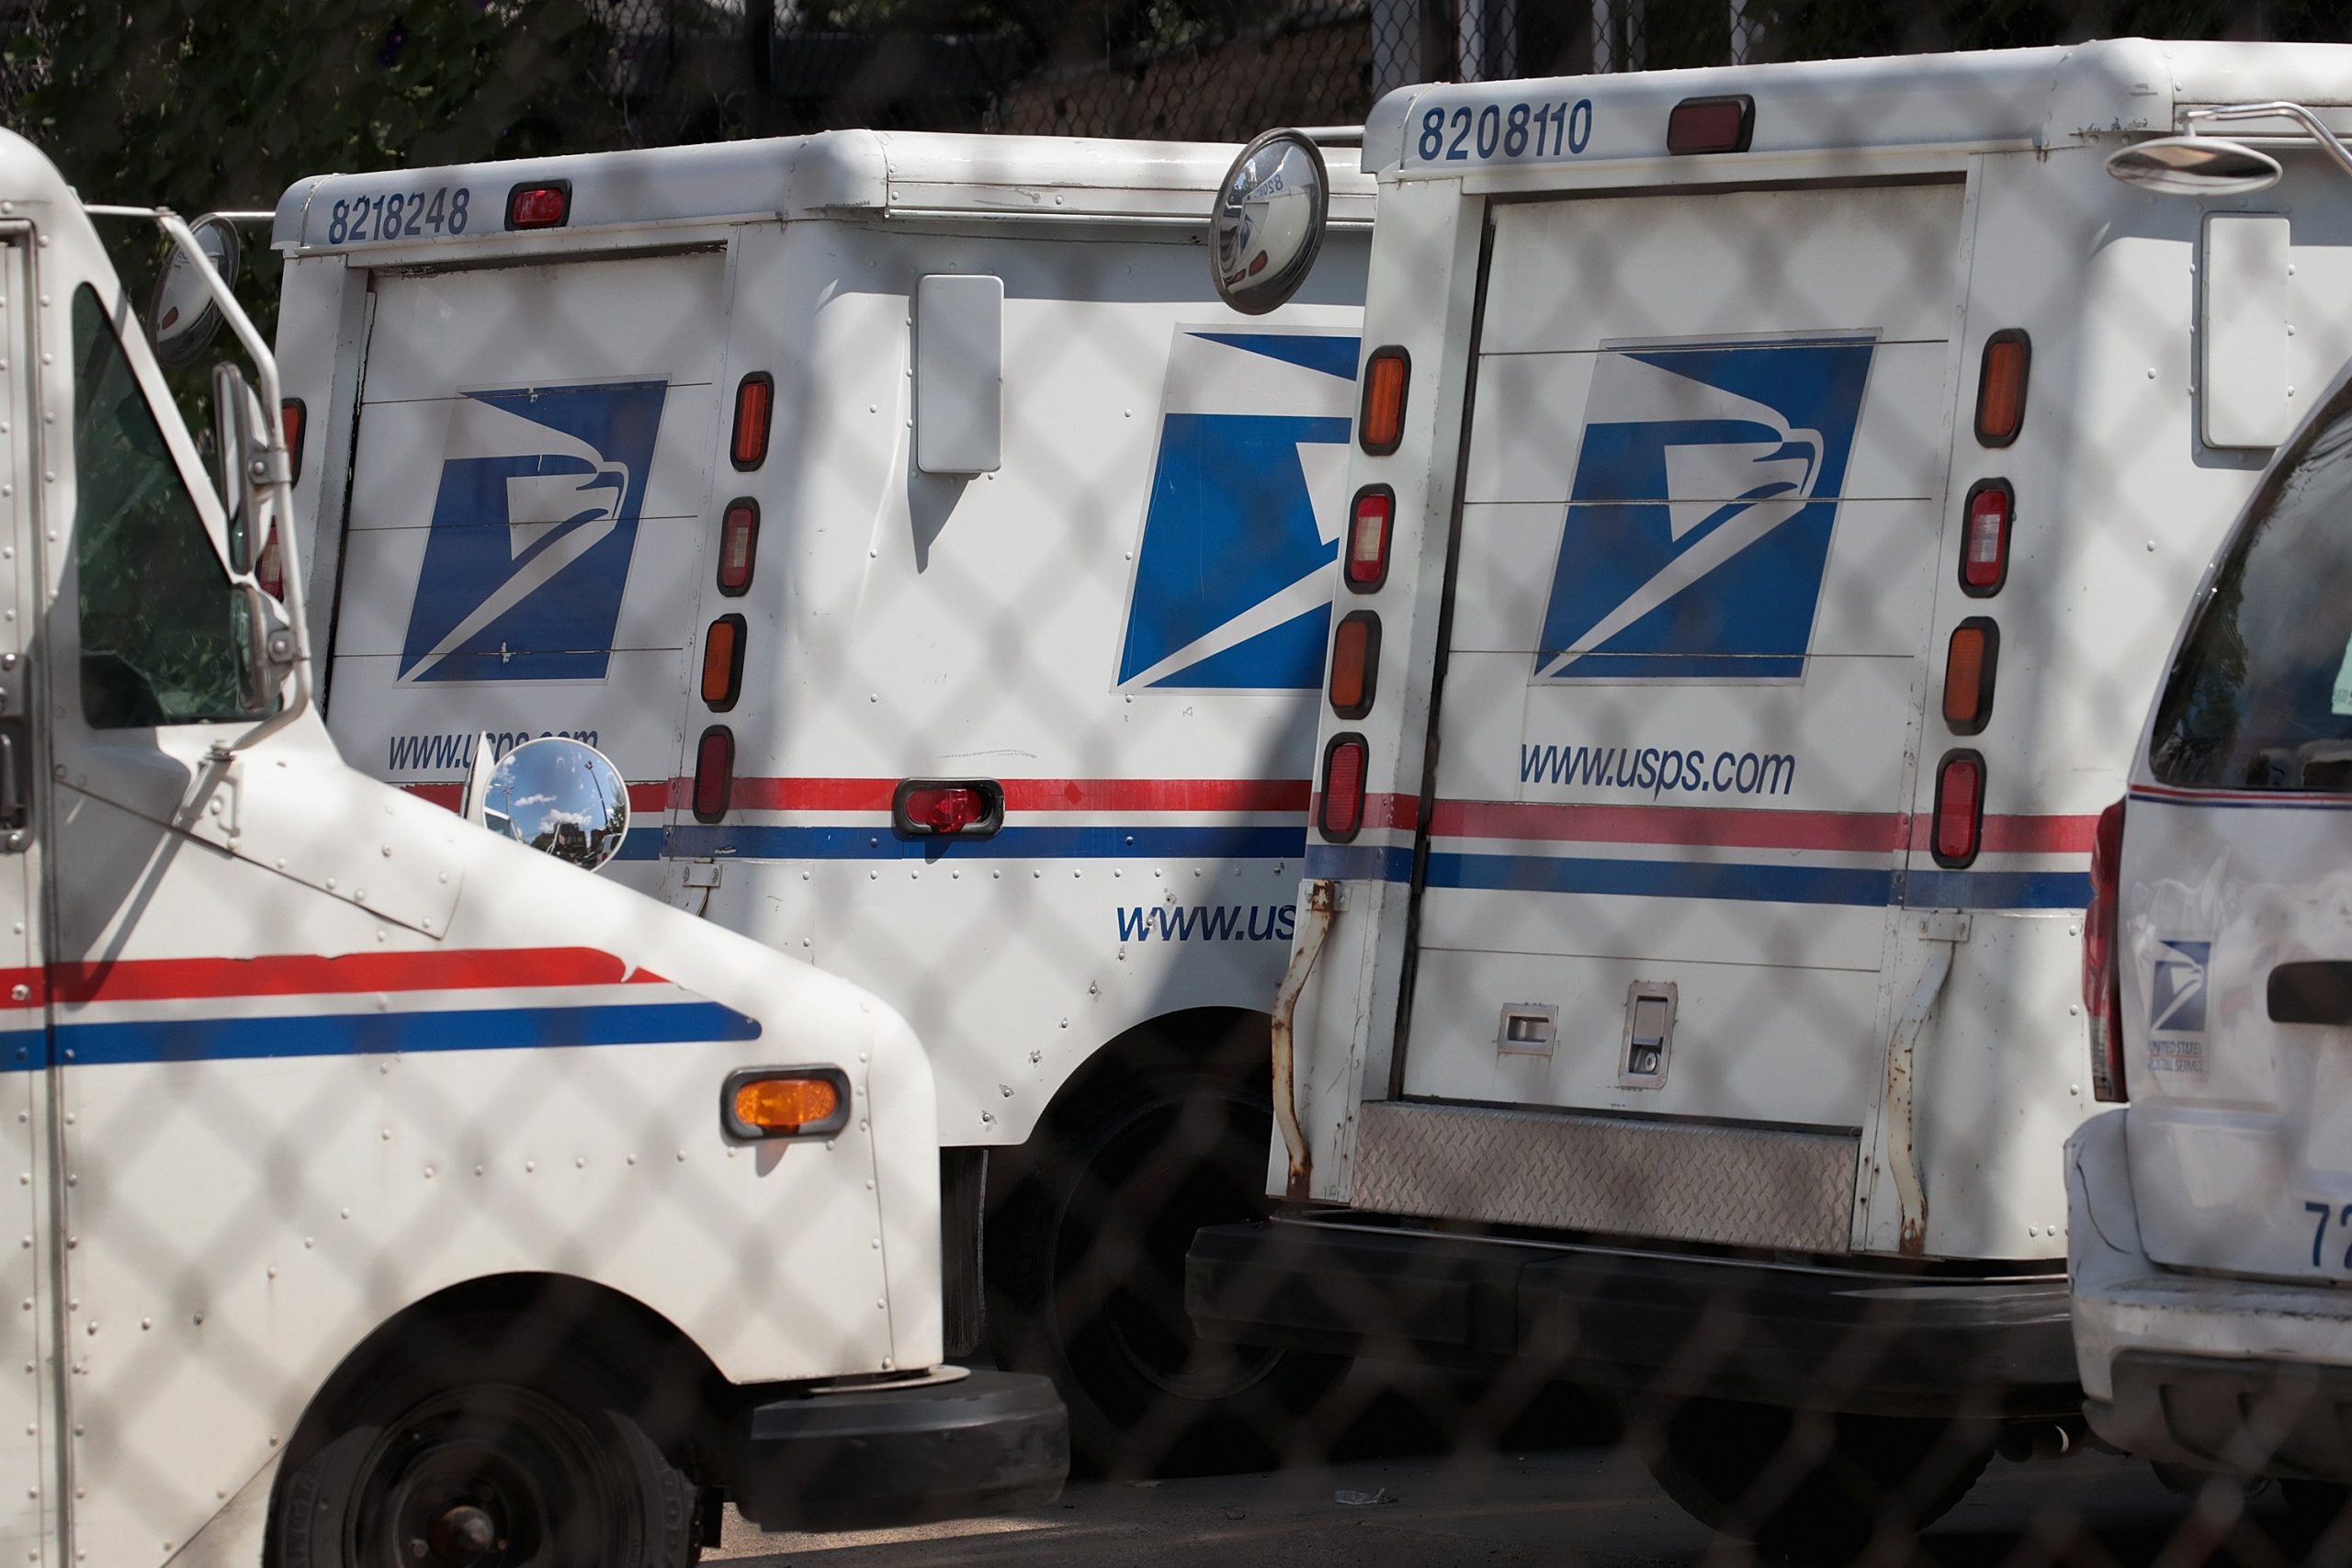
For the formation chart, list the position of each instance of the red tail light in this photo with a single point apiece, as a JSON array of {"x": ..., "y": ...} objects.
[
  {"x": 1370, "y": 521},
  {"x": 944, "y": 808},
  {"x": 754, "y": 404},
  {"x": 292, "y": 415},
  {"x": 739, "y": 547},
  {"x": 1342, "y": 815},
  {"x": 2102, "y": 971},
  {"x": 1960, "y": 809},
  {"x": 1381, "y": 426},
  {"x": 714, "y": 773},
  {"x": 545, "y": 206},
  {"x": 269, "y": 569},
  {"x": 2000, "y": 387},
  {"x": 1985, "y": 553}
]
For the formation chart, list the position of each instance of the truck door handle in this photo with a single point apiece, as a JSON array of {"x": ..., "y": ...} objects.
[
  {"x": 2313, "y": 991},
  {"x": 16, "y": 781}
]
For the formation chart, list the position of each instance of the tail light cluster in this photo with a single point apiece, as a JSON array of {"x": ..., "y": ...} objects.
[
  {"x": 1971, "y": 658},
  {"x": 2102, "y": 959},
  {"x": 1364, "y": 567},
  {"x": 725, "y": 643}
]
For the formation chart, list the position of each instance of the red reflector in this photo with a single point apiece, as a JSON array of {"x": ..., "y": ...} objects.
[
  {"x": 722, "y": 663},
  {"x": 939, "y": 808},
  {"x": 1985, "y": 553},
  {"x": 754, "y": 403},
  {"x": 1381, "y": 425},
  {"x": 1343, "y": 769},
  {"x": 1369, "y": 523},
  {"x": 1710, "y": 125},
  {"x": 945, "y": 809},
  {"x": 2000, "y": 387},
  {"x": 292, "y": 416},
  {"x": 539, "y": 207},
  {"x": 1960, "y": 808},
  {"x": 269, "y": 569},
  {"x": 1356, "y": 664},
  {"x": 739, "y": 547},
  {"x": 714, "y": 772},
  {"x": 2102, "y": 976}
]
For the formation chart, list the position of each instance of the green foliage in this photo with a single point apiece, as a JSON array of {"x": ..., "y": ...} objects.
[{"x": 195, "y": 104}]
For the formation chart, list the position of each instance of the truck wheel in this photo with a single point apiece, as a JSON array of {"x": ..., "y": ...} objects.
[
  {"x": 1807, "y": 1485},
  {"x": 460, "y": 1465},
  {"x": 1086, "y": 1264}
]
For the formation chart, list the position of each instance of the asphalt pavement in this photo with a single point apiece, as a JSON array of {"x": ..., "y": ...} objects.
[{"x": 1594, "y": 1504}]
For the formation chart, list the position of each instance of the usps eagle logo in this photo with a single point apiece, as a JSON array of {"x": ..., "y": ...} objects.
[
  {"x": 1235, "y": 568},
  {"x": 534, "y": 522},
  {"x": 1698, "y": 526}
]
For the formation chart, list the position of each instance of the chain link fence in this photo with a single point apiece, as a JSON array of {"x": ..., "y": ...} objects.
[{"x": 1071, "y": 1251}]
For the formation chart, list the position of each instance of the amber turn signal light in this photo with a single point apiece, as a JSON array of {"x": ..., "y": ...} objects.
[{"x": 785, "y": 1103}]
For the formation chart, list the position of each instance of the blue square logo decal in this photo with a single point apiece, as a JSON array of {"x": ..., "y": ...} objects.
[
  {"x": 534, "y": 522},
  {"x": 1707, "y": 483}
]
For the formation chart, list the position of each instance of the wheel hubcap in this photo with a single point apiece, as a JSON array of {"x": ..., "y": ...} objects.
[{"x": 489, "y": 1477}]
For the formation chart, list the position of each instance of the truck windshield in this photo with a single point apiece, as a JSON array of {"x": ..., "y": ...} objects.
[
  {"x": 2261, "y": 698},
  {"x": 158, "y": 644}
]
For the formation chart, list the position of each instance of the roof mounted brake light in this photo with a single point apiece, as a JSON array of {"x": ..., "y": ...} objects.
[
  {"x": 1710, "y": 125},
  {"x": 544, "y": 206}
]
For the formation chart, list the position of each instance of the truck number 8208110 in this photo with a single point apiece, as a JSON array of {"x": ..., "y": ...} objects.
[{"x": 1520, "y": 130}]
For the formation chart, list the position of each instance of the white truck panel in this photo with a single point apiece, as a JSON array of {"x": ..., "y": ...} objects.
[{"x": 1576, "y": 274}]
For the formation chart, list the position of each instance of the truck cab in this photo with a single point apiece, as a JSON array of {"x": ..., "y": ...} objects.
[{"x": 388, "y": 1190}]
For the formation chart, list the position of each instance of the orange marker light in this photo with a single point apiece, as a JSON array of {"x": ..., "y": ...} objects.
[
  {"x": 1355, "y": 655},
  {"x": 722, "y": 663},
  {"x": 1969, "y": 661},
  {"x": 1380, "y": 428},
  {"x": 2000, "y": 387},
  {"x": 783, "y": 1103}
]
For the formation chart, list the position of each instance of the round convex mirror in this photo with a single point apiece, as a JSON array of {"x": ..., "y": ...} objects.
[
  {"x": 182, "y": 318},
  {"x": 562, "y": 796},
  {"x": 1269, "y": 222},
  {"x": 2194, "y": 165}
]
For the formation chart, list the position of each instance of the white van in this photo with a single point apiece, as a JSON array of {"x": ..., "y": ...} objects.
[
  {"x": 388, "y": 1191},
  {"x": 952, "y": 590},
  {"x": 2210, "y": 1220},
  {"x": 1771, "y": 486}
]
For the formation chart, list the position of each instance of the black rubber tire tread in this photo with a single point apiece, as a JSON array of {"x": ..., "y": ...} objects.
[
  {"x": 310, "y": 1512},
  {"x": 1121, "y": 1422},
  {"x": 1809, "y": 1485}
]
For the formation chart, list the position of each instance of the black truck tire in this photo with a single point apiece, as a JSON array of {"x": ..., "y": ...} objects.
[
  {"x": 1086, "y": 1272},
  {"x": 475, "y": 1457},
  {"x": 1806, "y": 1484}
]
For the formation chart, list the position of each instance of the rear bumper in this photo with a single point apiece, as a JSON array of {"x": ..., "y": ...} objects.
[
  {"x": 2245, "y": 1376},
  {"x": 1819, "y": 1337},
  {"x": 990, "y": 1443}
]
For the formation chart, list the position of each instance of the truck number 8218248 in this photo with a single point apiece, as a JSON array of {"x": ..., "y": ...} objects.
[
  {"x": 1519, "y": 130},
  {"x": 399, "y": 216}
]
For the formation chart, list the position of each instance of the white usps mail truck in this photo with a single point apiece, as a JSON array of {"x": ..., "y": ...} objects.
[
  {"x": 387, "y": 1191},
  {"x": 946, "y": 569},
  {"x": 1772, "y": 486}
]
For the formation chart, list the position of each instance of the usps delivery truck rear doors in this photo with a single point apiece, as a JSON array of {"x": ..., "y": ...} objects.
[
  {"x": 527, "y": 450},
  {"x": 1683, "y": 692}
]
